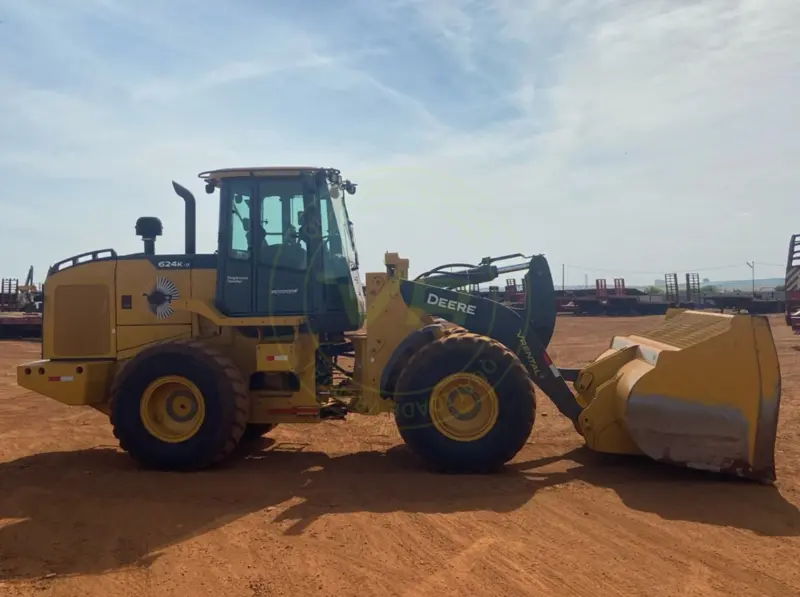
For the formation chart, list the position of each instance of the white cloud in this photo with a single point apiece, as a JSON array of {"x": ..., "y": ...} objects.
[
  {"x": 663, "y": 123},
  {"x": 624, "y": 136}
]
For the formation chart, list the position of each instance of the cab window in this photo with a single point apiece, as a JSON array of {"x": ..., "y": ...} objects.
[
  {"x": 282, "y": 206},
  {"x": 240, "y": 220},
  {"x": 334, "y": 254}
]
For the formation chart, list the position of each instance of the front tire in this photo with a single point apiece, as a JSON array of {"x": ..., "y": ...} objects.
[
  {"x": 179, "y": 405},
  {"x": 465, "y": 404}
]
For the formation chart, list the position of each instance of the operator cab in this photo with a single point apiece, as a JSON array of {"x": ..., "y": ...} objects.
[{"x": 286, "y": 246}]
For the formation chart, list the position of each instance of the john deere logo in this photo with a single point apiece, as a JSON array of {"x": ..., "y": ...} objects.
[
  {"x": 160, "y": 298},
  {"x": 445, "y": 303}
]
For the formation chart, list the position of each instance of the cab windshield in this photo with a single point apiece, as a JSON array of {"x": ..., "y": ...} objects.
[{"x": 337, "y": 224}]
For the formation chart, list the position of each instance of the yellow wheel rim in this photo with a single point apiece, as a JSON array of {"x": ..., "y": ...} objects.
[
  {"x": 464, "y": 407},
  {"x": 172, "y": 409}
]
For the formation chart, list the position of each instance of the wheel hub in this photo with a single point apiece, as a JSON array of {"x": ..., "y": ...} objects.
[
  {"x": 464, "y": 407},
  {"x": 181, "y": 406},
  {"x": 172, "y": 409},
  {"x": 464, "y": 403}
]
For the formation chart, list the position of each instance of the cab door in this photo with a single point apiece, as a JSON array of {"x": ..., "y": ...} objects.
[
  {"x": 235, "y": 286},
  {"x": 284, "y": 281}
]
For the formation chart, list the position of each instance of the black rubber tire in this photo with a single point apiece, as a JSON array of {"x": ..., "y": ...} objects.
[
  {"x": 227, "y": 405},
  {"x": 255, "y": 431},
  {"x": 465, "y": 352}
]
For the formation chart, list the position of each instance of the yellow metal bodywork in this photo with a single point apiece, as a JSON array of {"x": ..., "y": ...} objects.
[
  {"x": 390, "y": 321},
  {"x": 700, "y": 389},
  {"x": 79, "y": 314},
  {"x": 397, "y": 265},
  {"x": 86, "y": 318},
  {"x": 74, "y": 383}
]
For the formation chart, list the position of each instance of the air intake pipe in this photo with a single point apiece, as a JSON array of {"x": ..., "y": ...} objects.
[
  {"x": 149, "y": 229},
  {"x": 190, "y": 212}
]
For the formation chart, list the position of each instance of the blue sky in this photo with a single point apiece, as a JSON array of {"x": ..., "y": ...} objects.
[{"x": 620, "y": 138}]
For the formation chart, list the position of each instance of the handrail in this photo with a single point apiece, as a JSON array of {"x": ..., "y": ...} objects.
[{"x": 97, "y": 255}]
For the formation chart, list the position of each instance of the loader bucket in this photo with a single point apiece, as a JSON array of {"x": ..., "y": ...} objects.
[{"x": 700, "y": 390}]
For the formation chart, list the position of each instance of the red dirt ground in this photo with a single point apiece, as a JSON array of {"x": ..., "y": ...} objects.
[{"x": 343, "y": 509}]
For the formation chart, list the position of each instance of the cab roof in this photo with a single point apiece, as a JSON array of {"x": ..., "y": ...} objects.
[{"x": 256, "y": 171}]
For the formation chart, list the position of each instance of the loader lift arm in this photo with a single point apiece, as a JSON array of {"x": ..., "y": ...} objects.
[
  {"x": 483, "y": 272},
  {"x": 539, "y": 300}
]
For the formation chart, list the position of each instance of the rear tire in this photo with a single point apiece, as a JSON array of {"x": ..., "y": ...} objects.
[
  {"x": 179, "y": 405},
  {"x": 495, "y": 388}
]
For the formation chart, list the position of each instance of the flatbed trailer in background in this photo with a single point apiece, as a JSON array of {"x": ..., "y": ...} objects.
[
  {"x": 599, "y": 300},
  {"x": 20, "y": 325},
  {"x": 762, "y": 303},
  {"x": 623, "y": 301},
  {"x": 20, "y": 308}
]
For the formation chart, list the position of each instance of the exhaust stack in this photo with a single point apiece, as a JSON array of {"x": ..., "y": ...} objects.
[{"x": 190, "y": 217}]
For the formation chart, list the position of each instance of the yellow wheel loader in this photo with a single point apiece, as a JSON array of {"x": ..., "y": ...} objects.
[{"x": 191, "y": 354}]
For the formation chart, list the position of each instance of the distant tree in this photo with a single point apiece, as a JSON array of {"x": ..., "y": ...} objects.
[
  {"x": 709, "y": 289},
  {"x": 780, "y": 287},
  {"x": 654, "y": 290}
]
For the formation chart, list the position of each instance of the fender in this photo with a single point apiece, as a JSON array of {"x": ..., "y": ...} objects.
[
  {"x": 410, "y": 345},
  {"x": 492, "y": 319}
]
